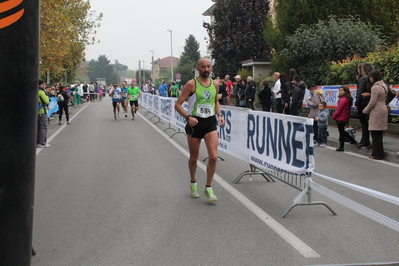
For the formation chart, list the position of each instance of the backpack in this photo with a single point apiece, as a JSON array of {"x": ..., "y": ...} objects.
[{"x": 60, "y": 98}]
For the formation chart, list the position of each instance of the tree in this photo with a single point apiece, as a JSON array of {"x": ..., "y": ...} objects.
[
  {"x": 103, "y": 69},
  {"x": 188, "y": 59},
  {"x": 67, "y": 27},
  {"x": 191, "y": 49},
  {"x": 186, "y": 68},
  {"x": 120, "y": 68},
  {"x": 237, "y": 34},
  {"x": 291, "y": 14},
  {"x": 336, "y": 39}
]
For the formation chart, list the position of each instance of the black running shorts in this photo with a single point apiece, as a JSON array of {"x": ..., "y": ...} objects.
[
  {"x": 204, "y": 126},
  {"x": 135, "y": 103}
]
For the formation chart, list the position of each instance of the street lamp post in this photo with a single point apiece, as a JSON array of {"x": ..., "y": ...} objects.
[
  {"x": 139, "y": 81},
  {"x": 171, "y": 53},
  {"x": 153, "y": 74}
]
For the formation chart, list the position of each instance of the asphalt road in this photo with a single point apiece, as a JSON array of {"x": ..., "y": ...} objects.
[{"x": 117, "y": 193}]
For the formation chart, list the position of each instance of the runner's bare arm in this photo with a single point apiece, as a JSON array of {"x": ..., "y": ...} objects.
[
  {"x": 187, "y": 91},
  {"x": 217, "y": 106}
]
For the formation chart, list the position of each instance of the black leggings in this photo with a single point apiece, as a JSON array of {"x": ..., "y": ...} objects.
[
  {"x": 377, "y": 145},
  {"x": 63, "y": 107},
  {"x": 343, "y": 134}
]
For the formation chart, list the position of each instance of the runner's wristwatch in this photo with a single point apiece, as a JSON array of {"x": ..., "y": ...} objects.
[{"x": 187, "y": 117}]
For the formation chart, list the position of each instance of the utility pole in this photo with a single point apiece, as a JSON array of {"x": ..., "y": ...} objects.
[
  {"x": 139, "y": 74},
  {"x": 171, "y": 55},
  {"x": 19, "y": 54},
  {"x": 153, "y": 74}
]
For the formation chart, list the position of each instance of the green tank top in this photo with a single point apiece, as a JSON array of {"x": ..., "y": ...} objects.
[{"x": 202, "y": 102}]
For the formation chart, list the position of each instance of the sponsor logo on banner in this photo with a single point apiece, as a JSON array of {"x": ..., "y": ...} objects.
[
  {"x": 166, "y": 109},
  {"x": 282, "y": 140}
]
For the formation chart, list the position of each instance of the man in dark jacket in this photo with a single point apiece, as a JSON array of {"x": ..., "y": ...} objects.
[
  {"x": 250, "y": 93},
  {"x": 298, "y": 93}
]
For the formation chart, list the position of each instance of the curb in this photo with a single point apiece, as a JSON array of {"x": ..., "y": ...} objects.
[{"x": 390, "y": 156}]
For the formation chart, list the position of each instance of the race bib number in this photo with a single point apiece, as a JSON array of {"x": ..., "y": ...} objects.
[
  {"x": 115, "y": 96},
  {"x": 124, "y": 95},
  {"x": 204, "y": 110}
]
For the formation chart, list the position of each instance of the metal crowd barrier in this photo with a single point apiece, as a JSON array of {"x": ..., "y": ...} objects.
[{"x": 299, "y": 182}]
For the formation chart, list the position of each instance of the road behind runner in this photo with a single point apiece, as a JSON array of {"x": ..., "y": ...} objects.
[{"x": 117, "y": 193}]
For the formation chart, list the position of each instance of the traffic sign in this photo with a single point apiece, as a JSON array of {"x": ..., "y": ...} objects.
[{"x": 177, "y": 76}]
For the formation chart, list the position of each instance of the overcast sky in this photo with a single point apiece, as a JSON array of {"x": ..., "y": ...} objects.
[{"x": 130, "y": 29}]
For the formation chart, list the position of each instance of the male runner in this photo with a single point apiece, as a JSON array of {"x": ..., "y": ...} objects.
[
  {"x": 133, "y": 93},
  {"x": 203, "y": 105},
  {"x": 115, "y": 94},
  {"x": 124, "y": 97}
]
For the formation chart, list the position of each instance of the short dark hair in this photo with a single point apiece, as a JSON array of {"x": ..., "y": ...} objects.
[
  {"x": 41, "y": 82},
  {"x": 297, "y": 78},
  {"x": 324, "y": 104},
  {"x": 311, "y": 85},
  {"x": 376, "y": 75}
]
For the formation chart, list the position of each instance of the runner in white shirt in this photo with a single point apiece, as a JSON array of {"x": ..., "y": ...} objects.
[{"x": 115, "y": 94}]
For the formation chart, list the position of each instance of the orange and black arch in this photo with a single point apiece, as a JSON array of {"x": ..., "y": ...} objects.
[{"x": 14, "y": 17}]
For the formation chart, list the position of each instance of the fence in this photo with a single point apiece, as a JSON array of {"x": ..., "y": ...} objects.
[{"x": 276, "y": 146}]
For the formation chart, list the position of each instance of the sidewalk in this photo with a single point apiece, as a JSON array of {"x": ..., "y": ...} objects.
[{"x": 391, "y": 144}]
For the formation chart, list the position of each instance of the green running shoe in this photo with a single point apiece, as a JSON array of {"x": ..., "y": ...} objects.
[
  {"x": 208, "y": 192},
  {"x": 194, "y": 190}
]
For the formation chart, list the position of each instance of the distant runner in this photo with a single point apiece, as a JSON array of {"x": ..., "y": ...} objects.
[
  {"x": 115, "y": 94},
  {"x": 133, "y": 94}
]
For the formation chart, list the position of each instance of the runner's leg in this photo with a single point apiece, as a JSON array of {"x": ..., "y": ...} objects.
[
  {"x": 211, "y": 142},
  {"x": 193, "y": 147}
]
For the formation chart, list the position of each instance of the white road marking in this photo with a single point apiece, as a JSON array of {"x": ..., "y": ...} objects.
[
  {"x": 38, "y": 150},
  {"x": 291, "y": 239}
]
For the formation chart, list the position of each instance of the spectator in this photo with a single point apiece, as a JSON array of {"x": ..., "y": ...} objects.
[
  {"x": 265, "y": 96},
  {"x": 229, "y": 89},
  {"x": 317, "y": 96},
  {"x": 42, "y": 122},
  {"x": 378, "y": 111},
  {"x": 222, "y": 96},
  {"x": 322, "y": 121},
  {"x": 362, "y": 99},
  {"x": 100, "y": 93},
  {"x": 242, "y": 85},
  {"x": 85, "y": 91},
  {"x": 342, "y": 116},
  {"x": 277, "y": 93},
  {"x": 291, "y": 74},
  {"x": 62, "y": 97},
  {"x": 91, "y": 92},
  {"x": 298, "y": 93},
  {"x": 250, "y": 93},
  {"x": 174, "y": 90},
  {"x": 285, "y": 93},
  {"x": 236, "y": 89}
]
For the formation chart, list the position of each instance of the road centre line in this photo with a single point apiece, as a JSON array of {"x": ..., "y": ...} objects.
[
  {"x": 38, "y": 150},
  {"x": 289, "y": 237}
]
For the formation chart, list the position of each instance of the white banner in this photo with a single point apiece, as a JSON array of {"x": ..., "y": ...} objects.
[
  {"x": 267, "y": 140},
  {"x": 331, "y": 93}
]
